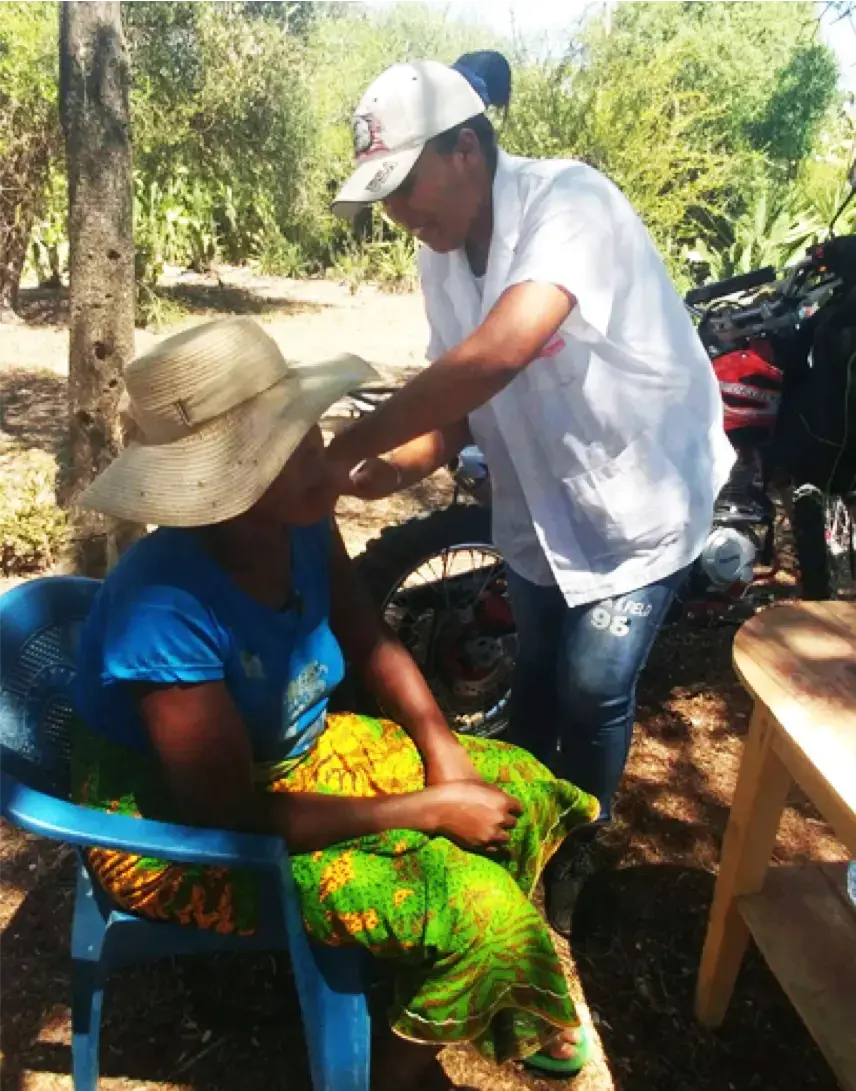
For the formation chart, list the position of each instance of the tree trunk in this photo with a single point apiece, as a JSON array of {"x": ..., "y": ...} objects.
[
  {"x": 13, "y": 252},
  {"x": 94, "y": 86},
  {"x": 22, "y": 187}
]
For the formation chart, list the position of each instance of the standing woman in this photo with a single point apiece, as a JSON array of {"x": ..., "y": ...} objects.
[{"x": 559, "y": 344}]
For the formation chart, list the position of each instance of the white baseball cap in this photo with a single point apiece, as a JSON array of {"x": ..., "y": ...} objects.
[{"x": 404, "y": 108}]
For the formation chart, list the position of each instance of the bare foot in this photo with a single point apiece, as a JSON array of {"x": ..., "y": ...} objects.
[{"x": 563, "y": 1045}]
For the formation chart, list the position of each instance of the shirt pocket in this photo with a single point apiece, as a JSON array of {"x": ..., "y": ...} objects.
[{"x": 637, "y": 500}]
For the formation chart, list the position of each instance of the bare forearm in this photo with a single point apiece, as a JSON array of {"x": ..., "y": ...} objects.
[
  {"x": 513, "y": 334},
  {"x": 309, "y": 822},
  {"x": 391, "y": 675},
  {"x": 375, "y": 478},
  {"x": 422, "y": 456},
  {"x": 306, "y": 820},
  {"x": 441, "y": 396}
]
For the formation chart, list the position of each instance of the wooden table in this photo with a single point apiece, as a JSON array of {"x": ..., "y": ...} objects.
[{"x": 799, "y": 664}]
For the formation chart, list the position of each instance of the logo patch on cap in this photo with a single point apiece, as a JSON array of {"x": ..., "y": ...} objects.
[
  {"x": 381, "y": 177},
  {"x": 367, "y": 138}
]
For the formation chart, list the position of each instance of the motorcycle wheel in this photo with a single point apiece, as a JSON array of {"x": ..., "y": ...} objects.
[
  {"x": 440, "y": 584},
  {"x": 825, "y": 539}
]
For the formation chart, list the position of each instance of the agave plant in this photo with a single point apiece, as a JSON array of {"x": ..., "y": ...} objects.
[
  {"x": 393, "y": 263},
  {"x": 769, "y": 232}
]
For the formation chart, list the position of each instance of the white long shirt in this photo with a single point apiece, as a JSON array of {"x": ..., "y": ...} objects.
[{"x": 607, "y": 452}]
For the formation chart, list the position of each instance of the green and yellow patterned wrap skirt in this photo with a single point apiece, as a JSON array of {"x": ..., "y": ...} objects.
[{"x": 471, "y": 958}]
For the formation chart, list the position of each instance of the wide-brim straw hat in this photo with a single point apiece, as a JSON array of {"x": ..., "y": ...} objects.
[{"x": 217, "y": 412}]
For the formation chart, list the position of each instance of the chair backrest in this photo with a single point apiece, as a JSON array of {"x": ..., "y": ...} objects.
[{"x": 39, "y": 626}]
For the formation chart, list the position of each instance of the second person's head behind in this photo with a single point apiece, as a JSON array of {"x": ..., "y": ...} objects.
[{"x": 426, "y": 148}]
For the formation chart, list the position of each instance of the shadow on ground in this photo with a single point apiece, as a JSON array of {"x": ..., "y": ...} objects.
[
  {"x": 223, "y": 1022},
  {"x": 638, "y": 934},
  {"x": 49, "y": 306},
  {"x": 43, "y": 306},
  {"x": 34, "y": 408},
  {"x": 640, "y": 923},
  {"x": 222, "y": 299}
]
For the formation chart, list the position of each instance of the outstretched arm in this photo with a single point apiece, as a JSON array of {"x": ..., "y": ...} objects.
[
  {"x": 407, "y": 465},
  {"x": 524, "y": 319}
]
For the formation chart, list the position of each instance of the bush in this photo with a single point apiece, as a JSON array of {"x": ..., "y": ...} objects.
[
  {"x": 30, "y": 139},
  {"x": 223, "y": 136},
  {"x": 393, "y": 264},
  {"x": 352, "y": 268},
  {"x": 711, "y": 117},
  {"x": 691, "y": 109},
  {"x": 33, "y": 530}
]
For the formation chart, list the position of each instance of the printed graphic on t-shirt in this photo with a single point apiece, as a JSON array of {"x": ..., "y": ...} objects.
[{"x": 307, "y": 689}]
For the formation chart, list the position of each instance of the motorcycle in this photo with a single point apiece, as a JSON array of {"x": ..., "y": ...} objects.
[{"x": 441, "y": 583}]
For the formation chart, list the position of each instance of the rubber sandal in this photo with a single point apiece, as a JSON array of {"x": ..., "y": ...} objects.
[{"x": 546, "y": 1065}]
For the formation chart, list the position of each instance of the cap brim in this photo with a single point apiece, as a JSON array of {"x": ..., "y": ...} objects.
[
  {"x": 226, "y": 465},
  {"x": 375, "y": 180}
]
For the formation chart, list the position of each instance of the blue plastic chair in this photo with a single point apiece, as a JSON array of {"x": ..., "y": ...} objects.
[{"x": 39, "y": 623}]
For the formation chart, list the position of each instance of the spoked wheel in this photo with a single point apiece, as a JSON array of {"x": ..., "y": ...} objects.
[
  {"x": 825, "y": 537},
  {"x": 442, "y": 589}
]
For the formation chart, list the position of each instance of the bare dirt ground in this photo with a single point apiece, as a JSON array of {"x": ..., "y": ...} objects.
[{"x": 231, "y": 1024}]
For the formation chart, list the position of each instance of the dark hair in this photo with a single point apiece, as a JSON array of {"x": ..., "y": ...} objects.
[{"x": 489, "y": 74}]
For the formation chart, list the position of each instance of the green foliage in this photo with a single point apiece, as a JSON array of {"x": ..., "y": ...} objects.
[
  {"x": 768, "y": 233},
  {"x": 699, "y": 112},
  {"x": 393, "y": 264},
  {"x": 716, "y": 119},
  {"x": 221, "y": 96},
  {"x": 30, "y": 138},
  {"x": 800, "y": 100},
  {"x": 33, "y": 530},
  {"x": 351, "y": 268},
  {"x": 48, "y": 241},
  {"x": 273, "y": 253}
]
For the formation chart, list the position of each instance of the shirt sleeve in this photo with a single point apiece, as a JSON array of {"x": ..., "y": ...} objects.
[
  {"x": 161, "y": 634},
  {"x": 568, "y": 239},
  {"x": 436, "y": 347}
]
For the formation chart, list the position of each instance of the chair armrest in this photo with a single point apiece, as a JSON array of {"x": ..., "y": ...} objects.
[{"x": 47, "y": 816}]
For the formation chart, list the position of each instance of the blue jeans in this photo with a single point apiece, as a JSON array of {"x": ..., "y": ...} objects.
[{"x": 573, "y": 696}]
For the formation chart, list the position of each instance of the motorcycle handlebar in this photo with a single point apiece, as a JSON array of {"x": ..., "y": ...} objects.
[{"x": 743, "y": 283}]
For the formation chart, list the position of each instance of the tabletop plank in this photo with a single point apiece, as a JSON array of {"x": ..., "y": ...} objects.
[{"x": 800, "y": 662}]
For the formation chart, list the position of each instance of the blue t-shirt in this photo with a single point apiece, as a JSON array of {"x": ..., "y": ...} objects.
[{"x": 169, "y": 613}]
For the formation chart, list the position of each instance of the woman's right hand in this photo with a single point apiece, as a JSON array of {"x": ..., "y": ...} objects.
[{"x": 476, "y": 816}]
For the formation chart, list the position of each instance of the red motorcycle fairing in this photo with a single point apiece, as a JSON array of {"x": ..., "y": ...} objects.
[{"x": 751, "y": 387}]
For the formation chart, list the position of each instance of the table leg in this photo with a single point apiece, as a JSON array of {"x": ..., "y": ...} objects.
[{"x": 759, "y": 799}]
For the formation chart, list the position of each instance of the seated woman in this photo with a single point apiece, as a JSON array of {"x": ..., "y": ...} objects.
[{"x": 206, "y": 666}]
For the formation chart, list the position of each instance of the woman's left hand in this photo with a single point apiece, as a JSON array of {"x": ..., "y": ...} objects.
[{"x": 449, "y": 763}]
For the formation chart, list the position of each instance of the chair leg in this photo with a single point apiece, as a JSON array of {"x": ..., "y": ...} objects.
[
  {"x": 332, "y": 984},
  {"x": 87, "y": 984}
]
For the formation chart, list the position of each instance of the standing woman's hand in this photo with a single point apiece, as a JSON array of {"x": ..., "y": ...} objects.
[{"x": 373, "y": 479}]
